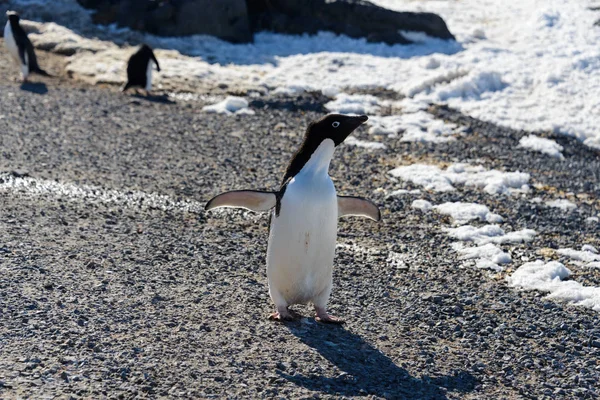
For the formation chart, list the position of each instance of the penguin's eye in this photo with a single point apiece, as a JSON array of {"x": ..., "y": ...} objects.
[{"x": 335, "y": 124}]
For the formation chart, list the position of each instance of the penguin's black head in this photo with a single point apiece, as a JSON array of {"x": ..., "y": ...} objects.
[
  {"x": 13, "y": 16},
  {"x": 336, "y": 127},
  {"x": 145, "y": 49}
]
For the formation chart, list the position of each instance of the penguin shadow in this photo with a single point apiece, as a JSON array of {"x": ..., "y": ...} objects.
[
  {"x": 366, "y": 370},
  {"x": 34, "y": 87},
  {"x": 154, "y": 98}
]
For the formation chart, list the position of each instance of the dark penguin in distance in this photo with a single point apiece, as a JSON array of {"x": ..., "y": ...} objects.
[
  {"x": 304, "y": 217},
  {"x": 139, "y": 69},
  {"x": 20, "y": 47}
]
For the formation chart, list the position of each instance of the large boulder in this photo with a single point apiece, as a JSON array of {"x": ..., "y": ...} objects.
[
  {"x": 236, "y": 20},
  {"x": 354, "y": 18},
  {"x": 225, "y": 19}
]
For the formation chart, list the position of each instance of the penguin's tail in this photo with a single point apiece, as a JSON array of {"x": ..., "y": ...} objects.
[{"x": 125, "y": 87}]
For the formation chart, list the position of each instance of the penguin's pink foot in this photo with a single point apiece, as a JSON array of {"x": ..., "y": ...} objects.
[
  {"x": 325, "y": 318},
  {"x": 284, "y": 314}
]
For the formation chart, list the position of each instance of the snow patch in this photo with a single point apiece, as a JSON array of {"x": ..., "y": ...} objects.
[
  {"x": 422, "y": 205},
  {"x": 548, "y": 277},
  {"x": 436, "y": 179},
  {"x": 95, "y": 194},
  {"x": 465, "y": 212},
  {"x": 487, "y": 256},
  {"x": 352, "y": 141},
  {"x": 472, "y": 86},
  {"x": 490, "y": 234},
  {"x": 563, "y": 204},
  {"x": 542, "y": 145},
  {"x": 354, "y": 104},
  {"x": 231, "y": 105},
  {"x": 418, "y": 126},
  {"x": 400, "y": 192},
  {"x": 586, "y": 256}
]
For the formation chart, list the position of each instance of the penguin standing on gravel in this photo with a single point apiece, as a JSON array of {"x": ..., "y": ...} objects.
[
  {"x": 20, "y": 47},
  {"x": 139, "y": 69},
  {"x": 303, "y": 229}
]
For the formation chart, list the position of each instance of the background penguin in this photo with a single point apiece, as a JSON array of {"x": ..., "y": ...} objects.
[
  {"x": 303, "y": 229},
  {"x": 20, "y": 47},
  {"x": 139, "y": 69}
]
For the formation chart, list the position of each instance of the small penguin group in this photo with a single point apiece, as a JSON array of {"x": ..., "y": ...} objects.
[
  {"x": 139, "y": 67},
  {"x": 304, "y": 216}
]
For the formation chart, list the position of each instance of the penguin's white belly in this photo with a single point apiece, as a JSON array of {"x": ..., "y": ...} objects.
[
  {"x": 13, "y": 49},
  {"x": 11, "y": 44},
  {"x": 149, "y": 76},
  {"x": 302, "y": 239}
]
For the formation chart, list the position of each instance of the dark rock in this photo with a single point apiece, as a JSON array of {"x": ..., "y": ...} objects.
[
  {"x": 355, "y": 18},
  {"x": 236, "y": 20},
  {"x": 225, "y": 19}
]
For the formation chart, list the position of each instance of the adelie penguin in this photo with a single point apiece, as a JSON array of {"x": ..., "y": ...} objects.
[
  {"x": 20, "y": 47},
  {"x": 304, "y": 219},
  {"x": 139, "y": 69}
]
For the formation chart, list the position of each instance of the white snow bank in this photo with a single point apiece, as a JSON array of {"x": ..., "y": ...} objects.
[
  {"x": 548, "y": 277},
  {"x": 543, "y": 145},
  {"x": 231, "y": 105},
  {"x": 352, "y": 141},
  {"x": 526, "y": 64},
  {"x": 465, "y": 212},
  {"x": 488, "y": 256},
  {"x": 433, "y": 178},
  {"x": 489, "y": 234},
  {"x": 563, "y": 204},
  {"x": 354, "y": 104}
]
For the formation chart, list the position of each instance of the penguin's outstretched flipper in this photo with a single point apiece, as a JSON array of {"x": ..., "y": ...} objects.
[
  {"x": 253, "y": 200},
  {"x": 349, "y": 205}
]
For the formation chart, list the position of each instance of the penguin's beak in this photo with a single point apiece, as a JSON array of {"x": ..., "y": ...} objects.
[
  {"x": 350, "y": 124},
  {"x": 356, "y": 121}
]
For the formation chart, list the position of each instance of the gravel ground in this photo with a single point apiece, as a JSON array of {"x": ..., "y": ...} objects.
[{"x": 109, "y": 299}]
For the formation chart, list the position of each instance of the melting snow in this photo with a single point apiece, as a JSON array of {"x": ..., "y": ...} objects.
[
  {"x": 543, "y": 145},
  {"x": 94, "y": 194},
  {"x": 487, "y": 256},
  {"x": 400, "y": 192},
  {"x": 587, "y": 256},
  {"x": 354, "y": 104},
  {"x": 548, "y": 277},
  {"x": 490, "y": 234},
  {"x": 231, "y": 105},
  {"x": 563, "y": 204},
  {"x": 422, "y": 205},
  {"x": 433, "y": 178},
  {"x": 465, "y": 212},
  {"x": 418, "y": 126},
  {"x": 352, "y": 141}
]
